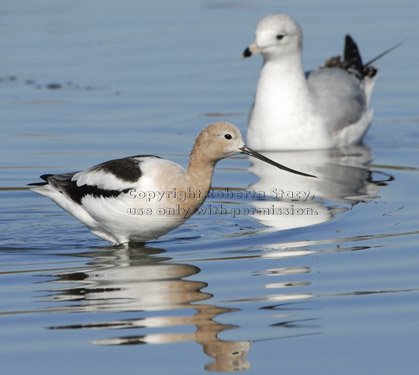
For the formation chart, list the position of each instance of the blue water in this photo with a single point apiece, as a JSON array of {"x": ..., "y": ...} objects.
[{"x": 334, "y": 290}]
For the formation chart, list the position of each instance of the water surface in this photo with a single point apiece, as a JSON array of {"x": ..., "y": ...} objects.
[{"x": 260, "y": 280}]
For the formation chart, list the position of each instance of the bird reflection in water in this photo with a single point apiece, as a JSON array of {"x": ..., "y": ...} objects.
[
  {"x": 344, "y": 176},
  {"x": 135, "y": 280}
]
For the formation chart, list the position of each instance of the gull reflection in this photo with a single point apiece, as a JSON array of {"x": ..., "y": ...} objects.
[
  {"x": 282, "y": 285},
  {"x": 136, "y": 280},
  {"x": 343, "y": 176}
]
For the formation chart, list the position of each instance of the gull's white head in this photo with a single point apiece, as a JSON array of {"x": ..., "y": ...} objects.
[{"x": 276, "y": 35}]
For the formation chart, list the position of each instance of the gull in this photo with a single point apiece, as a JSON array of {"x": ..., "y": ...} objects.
[
  {"x": 328, "y": 107},
  {"x": 142, "y": 197}
]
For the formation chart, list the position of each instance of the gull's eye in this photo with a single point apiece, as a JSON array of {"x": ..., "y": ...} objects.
[
  {"x": 280, "y": 36},
  {"x": 228, "y": 136}
]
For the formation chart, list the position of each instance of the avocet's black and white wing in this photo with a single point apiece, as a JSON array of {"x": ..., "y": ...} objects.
[
  {"x": 108, "y": 179},
  {"x": 96, "y": 195}
]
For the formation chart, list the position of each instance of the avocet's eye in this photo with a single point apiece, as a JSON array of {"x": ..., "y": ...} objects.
[
  {"x": 280, "y": 36},
  {"x": 228, "y": 136}
]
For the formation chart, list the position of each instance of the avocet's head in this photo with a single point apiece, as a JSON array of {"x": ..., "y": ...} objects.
[
  {"x": 218, "y": 141},
  {"x": 222, "y": 139},
  {"x": 276, "y": 35}
]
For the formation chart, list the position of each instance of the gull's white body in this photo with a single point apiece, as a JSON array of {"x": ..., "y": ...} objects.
[{"x": 329, "y": 107}]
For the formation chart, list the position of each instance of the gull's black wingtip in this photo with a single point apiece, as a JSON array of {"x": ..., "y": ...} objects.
[{"x": 351, "y": 55}]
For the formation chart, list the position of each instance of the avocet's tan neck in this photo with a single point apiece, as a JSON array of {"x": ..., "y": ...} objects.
[{"x": 200, "y": 169}]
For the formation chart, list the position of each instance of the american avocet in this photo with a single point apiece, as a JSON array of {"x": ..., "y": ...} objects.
[
  {"x": 325, "y": 108},
  {"x": 140, "y": 198}
]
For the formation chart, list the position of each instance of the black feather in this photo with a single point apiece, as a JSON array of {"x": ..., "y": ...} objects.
[
  {"x": 352, "y": 61},
  {"x": 351, "y": 56},
  {"x": 125, "y": 169},
  {"x": 77, "y": 193}
]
